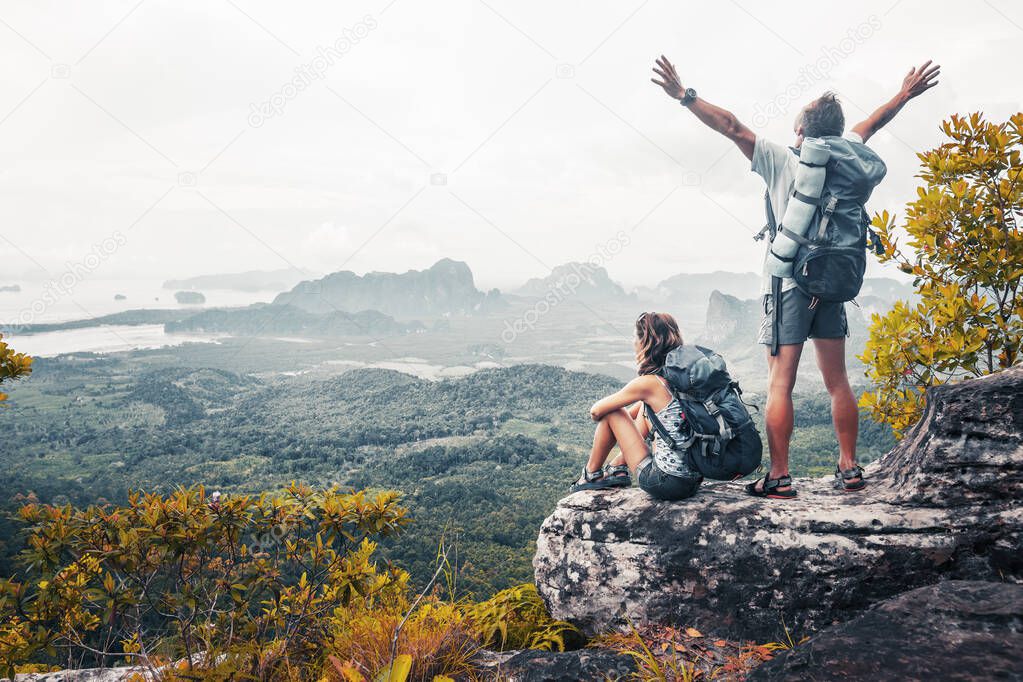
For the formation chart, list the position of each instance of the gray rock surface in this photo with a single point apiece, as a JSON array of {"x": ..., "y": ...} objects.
[
  {"x": 955, "y": 630},
  {"x": 547, "y": 666},
  {"x": 122, "y": 674},
  {"x": 944, "y": 504}
]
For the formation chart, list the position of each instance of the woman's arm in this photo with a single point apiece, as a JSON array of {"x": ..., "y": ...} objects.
[{"x": 636, "y": 390}]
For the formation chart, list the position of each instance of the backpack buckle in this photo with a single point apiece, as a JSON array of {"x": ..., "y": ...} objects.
[{"x": 712, "y": 408}]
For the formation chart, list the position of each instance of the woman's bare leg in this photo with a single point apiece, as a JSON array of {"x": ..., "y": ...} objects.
[
  {"x": 639, "y": 417},
  {"x": 603, "y": 442},
  {"x": 617, "y": 427}
]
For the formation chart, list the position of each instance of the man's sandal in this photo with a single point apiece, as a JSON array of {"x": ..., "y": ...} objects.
[
  {"x": 598, "y": 480},
  {"x": 845, "y": 479},
  {"x": 769, "y": 489}
]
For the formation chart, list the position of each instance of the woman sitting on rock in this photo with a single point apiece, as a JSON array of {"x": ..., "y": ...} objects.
[{"x": 621, "y": 420}]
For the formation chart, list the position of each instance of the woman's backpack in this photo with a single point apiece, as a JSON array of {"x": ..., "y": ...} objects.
[{"x": 721, "y": 443}]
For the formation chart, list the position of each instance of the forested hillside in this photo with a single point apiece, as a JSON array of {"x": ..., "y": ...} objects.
[{"x": 482, "y": 458}]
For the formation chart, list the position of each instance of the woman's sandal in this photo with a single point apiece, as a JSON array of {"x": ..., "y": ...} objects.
[
  {"x": 844, "y": 479},
  {"x": 770, "y": 488},
  {"x": 599, "y": 480},
  {"x": 619, "y": 474}
]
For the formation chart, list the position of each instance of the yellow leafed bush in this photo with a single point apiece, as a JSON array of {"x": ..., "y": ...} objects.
[
  {"x": 516, "y": 618},
  {"x": 268, "y": 587},
  {"x": 12, "y": 365},
  {"x": 965, "y": 252}
]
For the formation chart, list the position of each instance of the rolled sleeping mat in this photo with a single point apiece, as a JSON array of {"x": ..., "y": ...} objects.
[{"x": 809, "y": 183}]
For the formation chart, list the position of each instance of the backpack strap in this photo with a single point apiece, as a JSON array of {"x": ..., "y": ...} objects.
[
  {"x": 663, "y": 432},
  {"x": 724, "y": 433},
  {"x": 829, "y": 208},
  {"x": 874, "y": 242},
  {"x": 775, "y": 313},
  {"x": 772, "y": 225},
  {"x": 659, "y": 427},
  {"x": 797, "y": 238},
  {"x": 806, "y": 198}
]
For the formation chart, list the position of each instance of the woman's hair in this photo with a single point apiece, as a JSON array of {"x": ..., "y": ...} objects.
[{"x": 656, "y": 334}]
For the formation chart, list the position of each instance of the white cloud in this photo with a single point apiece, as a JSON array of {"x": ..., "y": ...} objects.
[{"x": 549, "y": 165}]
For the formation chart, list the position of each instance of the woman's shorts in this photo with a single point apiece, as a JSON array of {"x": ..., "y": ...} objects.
[{"x": 663, "y": 486}]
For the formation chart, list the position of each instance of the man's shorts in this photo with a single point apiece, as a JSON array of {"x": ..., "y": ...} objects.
[{"x": 800, "y": 322}]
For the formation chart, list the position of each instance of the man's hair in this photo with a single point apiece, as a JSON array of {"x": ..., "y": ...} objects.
[{"x": 823, "y": 116}]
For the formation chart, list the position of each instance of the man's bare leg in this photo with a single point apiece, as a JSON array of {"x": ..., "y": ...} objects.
[
  {"x": 778, "y": 417},
  {"x": 844, "y": 412}
]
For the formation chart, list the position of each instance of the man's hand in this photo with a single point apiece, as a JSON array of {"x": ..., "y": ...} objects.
[
  {"x": 920, "y": 80},
  {"x": 717, "y": 118},
  {"x": 669, "y": 78}
]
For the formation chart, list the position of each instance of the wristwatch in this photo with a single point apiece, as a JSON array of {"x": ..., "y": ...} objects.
[{"x": 688, "y": 97}]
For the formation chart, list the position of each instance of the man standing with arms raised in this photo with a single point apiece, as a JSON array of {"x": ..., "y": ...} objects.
[{"x": 802, "y": 317}]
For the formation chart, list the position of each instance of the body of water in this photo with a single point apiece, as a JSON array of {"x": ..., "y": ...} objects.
[
  {"x": 106, "y": 339},
  {"x": 41, "y": 301}
]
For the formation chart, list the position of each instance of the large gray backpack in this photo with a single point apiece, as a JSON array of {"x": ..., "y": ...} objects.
[
  {"x": 831, "y": 258},
  {"x": 719, "y": 440}
]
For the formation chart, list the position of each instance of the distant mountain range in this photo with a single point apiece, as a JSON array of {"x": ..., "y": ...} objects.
[
  {"x": 253, "y": 280},
  {"x": 582, "y": 281},
  {"x": 732, "y": 324},
  {"x": 445, "y": 288},
  {"x": 699, "y": 286},
  {"x": 730, "y": 320},
  {"x": 745, "y": 285},
  {"x": 724, "y": 304},
  {"x": 886, "y": 289}
]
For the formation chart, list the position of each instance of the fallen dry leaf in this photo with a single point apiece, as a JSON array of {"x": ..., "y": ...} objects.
[
  {"x": 693, "y": 632},
  {"x": 720, "y": 642}
]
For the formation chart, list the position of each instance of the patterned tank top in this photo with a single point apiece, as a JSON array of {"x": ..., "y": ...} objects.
[{"x": 668, "y": 460}]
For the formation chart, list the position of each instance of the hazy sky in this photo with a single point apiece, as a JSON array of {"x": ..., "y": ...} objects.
[{"x": 512, "y": 135}]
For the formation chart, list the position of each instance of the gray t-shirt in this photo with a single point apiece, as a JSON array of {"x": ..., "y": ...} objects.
[{"x": 776, "y": 164}]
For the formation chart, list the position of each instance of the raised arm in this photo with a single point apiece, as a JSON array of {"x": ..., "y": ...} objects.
[
  {"x": 716, "y": 118},
  {"x": 917, "y": 81}
]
